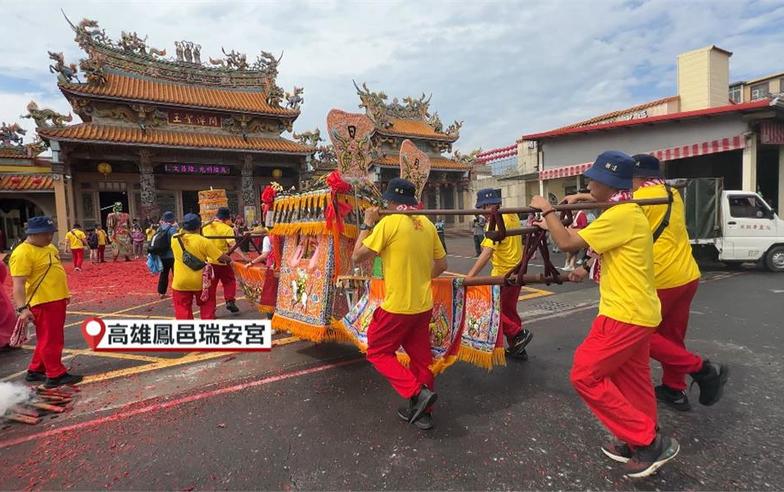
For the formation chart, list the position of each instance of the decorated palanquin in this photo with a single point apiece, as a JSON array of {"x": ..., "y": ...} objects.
[
  {"x": 465, "y": 324},
  {"x": 318, "y": 229}
]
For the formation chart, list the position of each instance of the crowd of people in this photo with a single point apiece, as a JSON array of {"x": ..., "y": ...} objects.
[{"x": 639, "y": 256}]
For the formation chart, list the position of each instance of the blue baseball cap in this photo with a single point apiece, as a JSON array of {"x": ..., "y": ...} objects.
[
  {"x": 488, "y": 196},
  {"x": 168, "y": 216},
  {"x": 191, "y": 222},
  {"x": 612, "y": 168},
  {"x": 40, "y": 225},
  {"x": 646, "y": 166},
  {"x": 400, "y": 190}
]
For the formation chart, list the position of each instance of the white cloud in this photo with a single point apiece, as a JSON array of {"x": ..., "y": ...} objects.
[{"x": 505, "y": 68}]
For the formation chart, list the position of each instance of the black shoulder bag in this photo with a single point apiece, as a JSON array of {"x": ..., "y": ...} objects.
[
  {"x": 190, "y": 261},
  {"x": 666, "y": 220}
]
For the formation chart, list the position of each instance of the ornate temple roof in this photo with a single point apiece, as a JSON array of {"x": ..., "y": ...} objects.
[
  {"x": 436, "y": 163},
  {"x": 139, "y": 89},
  {"x": 411, "y": 118},
  {"x": 128, "y": 69},
  {"x": 166, "y": 138}
]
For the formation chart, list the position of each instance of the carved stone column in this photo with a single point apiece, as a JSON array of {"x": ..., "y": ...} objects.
[
  {"x": 247, "y": 195},
  {"x": 150, "y": 209}
]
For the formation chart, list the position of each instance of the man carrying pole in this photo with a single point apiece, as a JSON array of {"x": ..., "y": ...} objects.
[
  {"x": 610, "y": 369},
  {"x": 504, "y": 256},
  {"x": 222, "y": 228},
  {"x": 677, "y": 278},
  {"x": 411, "y": 255}
]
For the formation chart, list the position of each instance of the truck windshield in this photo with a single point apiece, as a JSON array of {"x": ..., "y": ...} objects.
[{"x": 748, "y": 207}]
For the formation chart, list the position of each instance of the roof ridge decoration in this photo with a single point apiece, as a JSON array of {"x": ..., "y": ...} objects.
[
  {"x": 12, "y": 141},
  {"x": 46, "y": 118},
  {"x": 132, "y": 54},
  {"x": 382, "y": 112}
]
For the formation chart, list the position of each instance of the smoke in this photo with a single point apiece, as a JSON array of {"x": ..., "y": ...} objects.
[{"x": 12, "y": 394}]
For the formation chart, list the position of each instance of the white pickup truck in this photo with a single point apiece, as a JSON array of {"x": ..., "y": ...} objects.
[{"x": 733, "y": 226}]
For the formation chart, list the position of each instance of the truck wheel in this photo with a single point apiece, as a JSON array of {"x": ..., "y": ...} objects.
[{"x": 774, "y": 260}]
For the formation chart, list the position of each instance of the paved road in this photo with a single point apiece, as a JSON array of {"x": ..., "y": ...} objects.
[{"x": 319, "y": 417}]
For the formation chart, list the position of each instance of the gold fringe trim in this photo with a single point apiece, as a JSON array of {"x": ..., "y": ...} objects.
[
  {"x": 311, "y": 229},
  {"x": 305, "y": 331},
  {"x": 265, "y": 309},
  {"x": 479, "y": 358},
  {"x": 342, "y": 334}
]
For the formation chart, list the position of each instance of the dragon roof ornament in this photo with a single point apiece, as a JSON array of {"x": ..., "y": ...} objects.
[
  {"x": 382, "y": 112},
  {"x": 132, "y": 53}
]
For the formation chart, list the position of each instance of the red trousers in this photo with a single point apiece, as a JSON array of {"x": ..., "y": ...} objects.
[
  {"x": 101, "y": 251},
  {"x": 183, "y": 304},
  {"x": 511, "y": 324},
  {"x": 388, "y": 332},
  {"x": 78, "y": 257},
  {"x": 612, "y": 375},
  {"x": 49, "y": 330},
  {"x": 225, "y": 275},
  {"x": 667, "y": 343}
]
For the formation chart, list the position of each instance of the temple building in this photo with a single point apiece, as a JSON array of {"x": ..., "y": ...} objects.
[
  {"x": 394, "y": 122},
  {"x": 27, "y": 186},
  {"x": 155, "y": 130}
]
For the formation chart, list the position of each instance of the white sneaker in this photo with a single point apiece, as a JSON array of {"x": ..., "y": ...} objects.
[{"x": 567, "y": 269}]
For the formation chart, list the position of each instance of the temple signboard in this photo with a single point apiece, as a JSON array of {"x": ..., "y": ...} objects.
[
  {"x": 194, "y": 118},
  {"x": 211, "y": 169}
]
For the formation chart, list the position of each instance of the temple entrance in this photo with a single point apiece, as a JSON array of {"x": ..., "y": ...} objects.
[
  {"x": 190, "y": 202},
  {"x": 14, "y": 213},
  {"x": 109, "y": 198}
]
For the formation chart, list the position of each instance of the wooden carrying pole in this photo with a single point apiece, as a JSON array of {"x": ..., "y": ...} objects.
[
  {"x": 529, "y": 210},
  {"x": 532, "y": 278}
]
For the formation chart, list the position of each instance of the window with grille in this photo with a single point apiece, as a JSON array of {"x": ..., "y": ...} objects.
[{"x": 759, "y": 91}]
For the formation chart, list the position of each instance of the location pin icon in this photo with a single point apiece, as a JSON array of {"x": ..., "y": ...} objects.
[{"x": 92, "y": 331}]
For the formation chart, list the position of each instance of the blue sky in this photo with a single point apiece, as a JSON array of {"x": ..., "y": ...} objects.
[{"x": 504, "y": 68}]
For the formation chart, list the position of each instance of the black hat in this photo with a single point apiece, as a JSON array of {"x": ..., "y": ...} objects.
[
  {"x": 223, "y": 213},
  {"x": 401, "y": 190},
  {"x": 646, "y": 166}
]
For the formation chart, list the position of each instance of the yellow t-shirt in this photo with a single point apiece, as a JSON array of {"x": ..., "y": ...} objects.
[
  {"x": 218, "y": 228},
  {"x": 407, "y": 246},
  {"x": 101, "y": 237},
  {"x": 32, "y": 261},
  {"x": 76, "y": 239},
  {"x": 150, "y": 232},
  {"x": 184, "y": 278},
  {"x": 507, "y": 253},
  {"x": 673, "y": 263},
  {"x": 627, "y": 291}
]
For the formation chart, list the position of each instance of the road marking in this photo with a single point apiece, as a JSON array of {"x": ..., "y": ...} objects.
[
  {"x": 165, "y": 363},
  {"x": 122, "y": 315},
  {"x": 534, "y": 293},
  {"x": 122, "y": 415},
  {"x": 17, "y": 374},
  {"x": 777, "y": 291}
]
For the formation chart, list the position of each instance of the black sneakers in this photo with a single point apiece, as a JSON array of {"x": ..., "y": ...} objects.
[
  {"x": 617, "y": 451},
  {"x": 65, "y": 379},
  {"x": 232, "y": 306},
  {"x": 424, "y": 422},
  {"x": 421, "y": 402},
  {"x": 646, "y": 460},
  {"x": 711, "y": 380},
  {"x": 34, "y": 376},
  {"x": 673, "y": 398},
  {"x": 517, "y": 344}
]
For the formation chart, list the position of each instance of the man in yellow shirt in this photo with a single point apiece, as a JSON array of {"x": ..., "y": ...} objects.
[
  {"x": 504, "y": 256},
  {"x": 677, "y": 277},
  {"x": 75, "y": 242},
  {"x": 188, "y": 284},
  {"x": 101, "y": 243},
  {"x": 41, "y": 295},
  {"x": 411, "y": 255},
  {"x": 610, "y": 369},
  {"x": 222, "y": 227}
]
